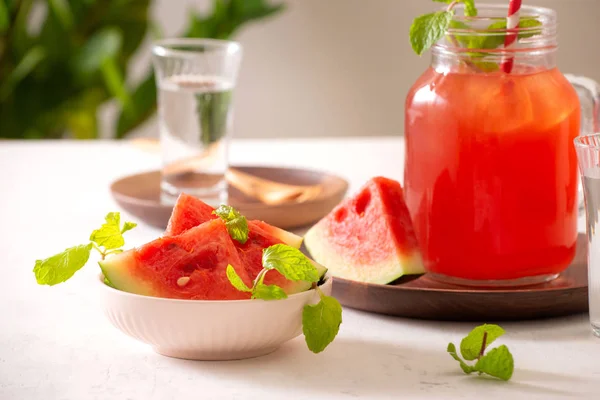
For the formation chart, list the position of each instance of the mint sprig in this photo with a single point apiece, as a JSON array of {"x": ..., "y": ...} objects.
[
  {"x": 427, "y": 29},
  {"x": 497, "y": 362},
  {"x": 321, "y": 321},
  {"x": 236, "y": 223},
  {"x": 62, "y": 266},
  {"x": 470, "y": 9}
]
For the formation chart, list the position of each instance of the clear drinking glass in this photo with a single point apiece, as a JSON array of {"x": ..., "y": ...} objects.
[
  {"x": 588, "y": 154},
  {"x": 195, "y": 80}
]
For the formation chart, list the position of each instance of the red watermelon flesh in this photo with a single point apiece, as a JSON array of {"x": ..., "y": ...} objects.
[
  {"x": 188, "y": 266},
  {"x": 251, "y": 255},
  {"x": 369, "y": 237},
  {"x": 188, "y": 212}
]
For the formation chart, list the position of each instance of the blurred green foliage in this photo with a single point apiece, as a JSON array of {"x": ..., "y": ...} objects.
[{"x": 60, "y": 60}]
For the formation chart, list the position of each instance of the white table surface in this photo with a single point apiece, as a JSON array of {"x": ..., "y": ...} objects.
[{"x": 55, "y": 344}]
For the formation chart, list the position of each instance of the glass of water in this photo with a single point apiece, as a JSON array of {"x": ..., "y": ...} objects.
[
  {"x": 195, "y": 80},
  {"x": 588, "y": 154}
]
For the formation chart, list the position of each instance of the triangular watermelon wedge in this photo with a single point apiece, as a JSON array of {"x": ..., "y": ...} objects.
[
  {"x": 251, "y": 255},
  {"x": 187, "y": 266},
  {"x": 369, "y": 237},
  {"x": 189, "y": 211}
]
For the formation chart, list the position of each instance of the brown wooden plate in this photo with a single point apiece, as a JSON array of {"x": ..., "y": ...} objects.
[
  {"x": 424, "y": 298},
  {"x": 140, "y": 196}
]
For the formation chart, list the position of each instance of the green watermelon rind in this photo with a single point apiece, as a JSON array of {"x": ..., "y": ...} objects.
[
  {"x": 303, "y": 286},
  {"x": 344, "y": 267},
  {"x": 115, "y": 270}
]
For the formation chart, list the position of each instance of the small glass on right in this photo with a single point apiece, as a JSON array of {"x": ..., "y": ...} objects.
[{"x": 588, "y": 154}]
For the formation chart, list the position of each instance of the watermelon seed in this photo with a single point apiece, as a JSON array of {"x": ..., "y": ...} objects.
[{"x": 181, "y": 282}]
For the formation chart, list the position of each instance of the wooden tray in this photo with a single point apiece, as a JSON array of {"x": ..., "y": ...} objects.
[
  {"x": 423, "y": 298},
  {"x": 140, "y": 196}
]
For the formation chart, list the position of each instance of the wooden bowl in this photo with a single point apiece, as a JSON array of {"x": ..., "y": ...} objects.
[{"x": 139, "y": 195}]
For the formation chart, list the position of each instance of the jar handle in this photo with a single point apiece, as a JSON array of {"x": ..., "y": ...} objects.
[{"x": 588, "y": 91}]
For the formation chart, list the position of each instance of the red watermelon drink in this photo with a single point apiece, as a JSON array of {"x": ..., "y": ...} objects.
[{"x": 491, "y": 175}]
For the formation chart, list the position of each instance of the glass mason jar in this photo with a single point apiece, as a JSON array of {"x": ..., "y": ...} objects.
[{"x": 491, "y": 172}]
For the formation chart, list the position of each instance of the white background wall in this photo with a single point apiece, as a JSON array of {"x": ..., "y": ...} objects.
[{"x": 343, "y": 67}]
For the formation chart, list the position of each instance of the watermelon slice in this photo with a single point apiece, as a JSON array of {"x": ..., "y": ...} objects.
[
  {"x": 190, "y": 211},
  {"x": 368, "y": 238},
  {"x": 188, "y": 266},
  {"x": 251, "y": 256}
]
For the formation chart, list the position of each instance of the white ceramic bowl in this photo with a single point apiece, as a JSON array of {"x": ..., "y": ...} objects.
[{"x": 208, "y": 330}]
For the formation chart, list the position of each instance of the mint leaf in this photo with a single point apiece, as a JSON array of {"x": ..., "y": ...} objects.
[
  {"x": 493, "y": 41},
  {"x": 470, "y": 346},
  {"x": 268, "y": 292},
  {"x": 486, "y": 66},
  {"x": 110, "y": 235},
  {"x": 428, "y": 29},
  {"x": 127, "y": 226},
  {"x": 464, "y": 39},
  {"x": 321, "y": 322},
  {"x": 498, "y": 363},
  {"x": 467, "y": 369},
  {"x": 290, "y": 262},
  {"x": 470, "y": 9},
  {"x": 62, "y": 266},
  {"x": 236, "y": 223},
  {"x": 235, "y": 279}
]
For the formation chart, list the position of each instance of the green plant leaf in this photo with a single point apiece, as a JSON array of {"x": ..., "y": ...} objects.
[
  {"x": 470, "y": 346},
  {"x": 80, "y": 114},
  {"x": 497, "y": 362},
  {"x": 127, "y": 226},
  {"x": 110, "y": 234},
  {"x": 494, "y": 41},
  {"x": 115, "y": 82},
  {"x": 62, "y": 10},
  {"x": 236, "y": 223},
  {"x": 321, "y": 323},
  {"x": 4, "y": 17},
  {"x": 235, "y": 279},
  {"x": 21, "y": 40},
  {"x": 428, "y": 29},
  {"x": 268, "y": 292},
  {"x": 143, "y": 105},
  {"x": 467, "y": 369},
  {"x": 91, "y": 57},
  {"x": 132, "y": 18},
  {"x": 463, "y": 39},
  {"x": 228, "y": 16},
  {"x": 289, "y": 262},
  {"x": 27, "y": 64},
  {"x": 470, "y": 9},
  {"x": 82, "y": 123},
  {"x": 62, "y": 266}
]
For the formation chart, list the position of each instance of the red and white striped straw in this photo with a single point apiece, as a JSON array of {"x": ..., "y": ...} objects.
[{"x": 512, "y": 22}]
